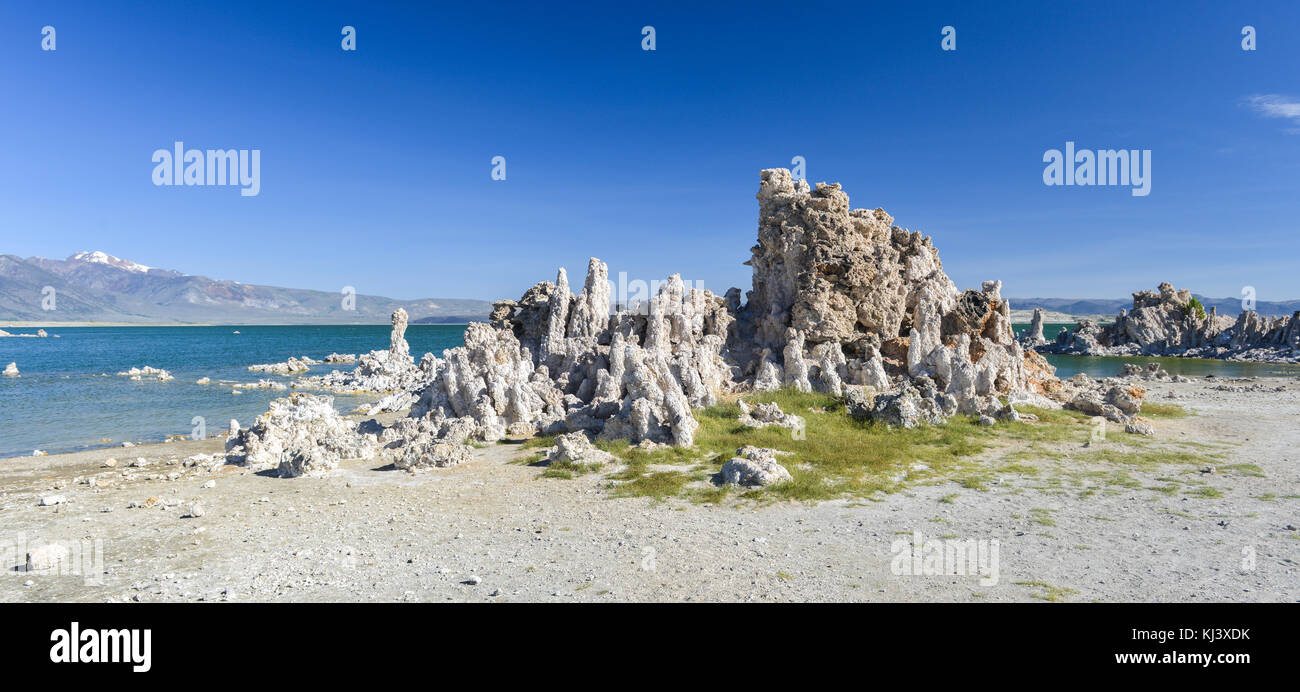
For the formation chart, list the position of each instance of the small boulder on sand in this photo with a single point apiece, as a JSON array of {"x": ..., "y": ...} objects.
[
  {"x": 426, "y": 453},
  {"x": 1139, "y": 428},
  {"x": 754, "y": 466},
  {"x": 574, "y": 448},
  {"x": 46, "y": 557}
]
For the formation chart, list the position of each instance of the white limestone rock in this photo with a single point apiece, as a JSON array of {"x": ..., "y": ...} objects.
[
  {"x": 1034, "y": 336},
  {"x": 796, "y": 370},
  {"x": 755, "y": 466},
  {"x": 1139, "y": 428},
  {"x": 576, "y": 449},
  {"x": 763, "y": 415},
  {"x": 300, "y": 435},
  {"x": 425, "y": 453},
  {"x": 46, "y": 557},
  {"x": 147, "y": 372}
]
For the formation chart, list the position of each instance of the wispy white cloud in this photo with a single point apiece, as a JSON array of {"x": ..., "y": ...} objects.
[{"x": 1277, "y": 106}]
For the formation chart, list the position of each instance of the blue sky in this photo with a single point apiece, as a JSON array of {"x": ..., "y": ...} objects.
[{"x": 375, "y": 164}]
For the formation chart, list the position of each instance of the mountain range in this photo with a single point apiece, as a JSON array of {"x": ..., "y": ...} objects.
[{"x": 98, "y": 287}]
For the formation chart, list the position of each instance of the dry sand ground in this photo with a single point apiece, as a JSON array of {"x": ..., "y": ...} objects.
[{"x": 368, "y": 533}]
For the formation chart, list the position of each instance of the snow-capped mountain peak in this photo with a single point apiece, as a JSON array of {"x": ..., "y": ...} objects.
[{"x": 98, "y": 257}]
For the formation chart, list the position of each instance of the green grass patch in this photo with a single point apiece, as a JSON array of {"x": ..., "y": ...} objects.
[
  {"x": 836, "y": 457},
  {"x": 658, "y": 484},
  {"x": 1151, "y": 409},
  {"x": 1042, "y": 517},
  {"x": 1055, "y": 594},
  {"x": 568, "y": 470}
]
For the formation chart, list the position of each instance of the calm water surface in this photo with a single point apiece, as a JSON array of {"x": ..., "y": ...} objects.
[{"x": 64, "y": 402}]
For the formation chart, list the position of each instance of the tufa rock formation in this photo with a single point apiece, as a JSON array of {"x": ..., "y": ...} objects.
[
  {"x": 1034, "y": 338},
  {"x": 286, "y": 368},
  {"x": 843, "y": 302},
  {"x": 1169, "y": 322},
  {"x": 300, "y": 435},
  {"x": 842, "y": 295},
  {"x": 392, "y": 370},
  {"x": 576, "y": 450}
]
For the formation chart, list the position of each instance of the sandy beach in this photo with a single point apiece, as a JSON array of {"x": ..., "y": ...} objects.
[{"x": 492, "y": 529}]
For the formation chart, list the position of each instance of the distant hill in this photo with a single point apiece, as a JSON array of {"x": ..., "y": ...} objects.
[
  {"x": 1109, "y": 307},
  {"x": 98, "y": 287}
]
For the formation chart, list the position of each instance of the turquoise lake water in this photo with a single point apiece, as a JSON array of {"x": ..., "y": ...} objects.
[
  {"x": 64, "y": 402},
  {"x": 1108, "y": 366}
]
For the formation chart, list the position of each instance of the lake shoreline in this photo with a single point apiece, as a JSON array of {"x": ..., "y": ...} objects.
[
  {"x": 69, "y": 325},
  {"x": 69, "y": 396},
  {"x": 1068, "y": 528}
]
